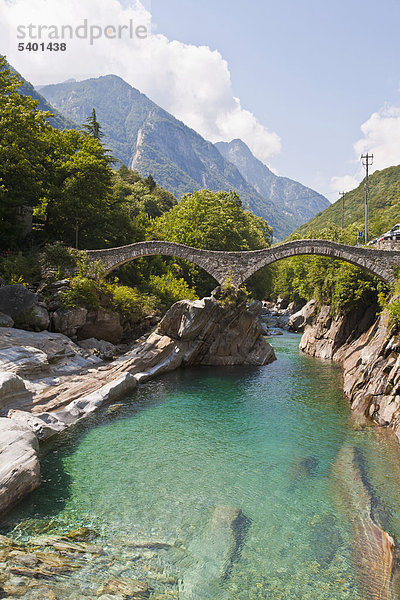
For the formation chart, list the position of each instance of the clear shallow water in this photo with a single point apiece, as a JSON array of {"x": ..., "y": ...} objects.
[{"x": 260, "y": 439}]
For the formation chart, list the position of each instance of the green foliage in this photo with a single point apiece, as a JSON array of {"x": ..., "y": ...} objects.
[
  {"x": 229, "y": 296},
  {"x": 60, "y": 257},
  {"x": 216, "y": 221},
  {"x": 23, "y": 151},
  {"x": 394, "y": 311},
  {"x": 84, "y": 293},
  {"x": 93, "y": 127},
  {"x": 132, "y": 304},
  {"x": 330, "y": 281},
  {"x": 17, "y": 268},
  {"x": 168, "y": 289},
  {"x": 383, "y": 213}
]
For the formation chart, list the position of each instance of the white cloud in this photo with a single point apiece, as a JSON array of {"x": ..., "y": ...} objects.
[
  {"x": 191, "y": 82},
  {"x": 344, "y": 183},
  {"x": 381, "y": 137}
]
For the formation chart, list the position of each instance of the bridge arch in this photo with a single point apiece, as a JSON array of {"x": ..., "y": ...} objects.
[
  {"x": 112, "y": 258},
  {"x": 378, "y": 262},
  {"x": 237, "y": 267}
]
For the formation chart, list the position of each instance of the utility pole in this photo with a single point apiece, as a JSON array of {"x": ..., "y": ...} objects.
[
  {"x": 343, "y": 195},
  {"x": 367, "y": 160}
]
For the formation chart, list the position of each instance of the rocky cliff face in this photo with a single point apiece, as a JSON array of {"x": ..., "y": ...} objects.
[
  {"x": 369, "y": 350},
  {"x": 299, "y": 202}
]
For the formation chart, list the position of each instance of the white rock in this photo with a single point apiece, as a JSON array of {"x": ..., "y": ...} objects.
[
  {"x": 11, "y": 385},
  {"x": 45, "y": 424},
  {"x": 19, "y": 464},
  {"x": 24, "y": 360}
]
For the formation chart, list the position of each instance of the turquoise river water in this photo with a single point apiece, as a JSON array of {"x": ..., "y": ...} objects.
[{"x": 259, "y": 439}]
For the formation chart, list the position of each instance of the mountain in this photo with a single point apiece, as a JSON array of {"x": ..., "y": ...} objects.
[
  {"x": 147, "y": 138},
  {"x": 298, "y": 202},
  {"x": 383, "y": 206},
  {"x": 57, "y": 120}
]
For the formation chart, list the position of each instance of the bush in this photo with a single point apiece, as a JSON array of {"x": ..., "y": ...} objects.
[
  {"x": 57, "y": 256},
  {"x": 394, "y": 311},
  {"x": 131, "y": 304},
  {"x": 17, "y": 268},
  {"x": 169, "y": 289},
  {"x": 84, "y": 293}
]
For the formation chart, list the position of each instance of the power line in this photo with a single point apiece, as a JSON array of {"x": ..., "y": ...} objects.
[{"x": 367, "y": 160}]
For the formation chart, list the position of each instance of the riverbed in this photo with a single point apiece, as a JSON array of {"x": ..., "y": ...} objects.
[{"x": 260, "y": 439}]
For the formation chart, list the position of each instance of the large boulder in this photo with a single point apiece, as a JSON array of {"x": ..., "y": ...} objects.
[
  {"x": 35, "y": 318},
  {"x": 11, "y": 386},
  {"x": 37, "y": 355},
  {"x": 68, "y": 320},
  {"x": 15, "y": 298},
  {"x": 23, "y": 307},
  {"x": 218, "y": 331},
  {"x": 105, "y": 350},
  {"x": 6, "y": 320},
  {"x": 24, "y": 361},
  {"x": 102, "y": 325},
  {"x": 303, "y": 317},
  {"x": 19, "y": 464}
]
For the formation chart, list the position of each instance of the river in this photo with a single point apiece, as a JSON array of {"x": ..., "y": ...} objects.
[{"x": 263, "y": 440}]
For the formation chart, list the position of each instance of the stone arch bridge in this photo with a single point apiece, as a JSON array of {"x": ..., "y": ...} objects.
[{"x": 237, "y": 267}]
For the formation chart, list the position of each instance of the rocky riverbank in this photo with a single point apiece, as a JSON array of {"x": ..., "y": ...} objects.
[
  {"x": 368, "y": 348},
  {"x": 48, "y": 383}
]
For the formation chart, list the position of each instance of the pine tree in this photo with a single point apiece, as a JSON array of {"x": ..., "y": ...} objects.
[{"x": 93, "y": 127}]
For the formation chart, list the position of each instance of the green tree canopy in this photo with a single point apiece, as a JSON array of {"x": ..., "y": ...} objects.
[
  {"x": 23, "y": 152},
  {"x": 214, "y": 220}
]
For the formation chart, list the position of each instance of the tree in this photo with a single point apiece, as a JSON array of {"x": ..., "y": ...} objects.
[
  {"x": 23, "y": 151},
  {"x": 215, "y": 221},
  {"x": 151, "y": 184},
  {"x": 93, "y": 127},
  {"x": 77, "y": 199}
]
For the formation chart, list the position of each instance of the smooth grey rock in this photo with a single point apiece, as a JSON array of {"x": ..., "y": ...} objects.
[
  {"x": 19, "y": 464},
  {"x": 105, "y": 350},
  {"x": 6, "y": 320},
  {"x": 24, "y": 360},
  {"x": 11, "y": 385},
  {"x": 68, "y": 320},
  {"x": 300, "y": 319},
  {"x": 32, "y": 354},
  {"x": 101, "y": 325},
  {"x": 44, "y": 425}
]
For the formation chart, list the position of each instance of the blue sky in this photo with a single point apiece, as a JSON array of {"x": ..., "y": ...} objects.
[
  {"x": 313, "y": 71},
  {"x": 309, "y": 85}
]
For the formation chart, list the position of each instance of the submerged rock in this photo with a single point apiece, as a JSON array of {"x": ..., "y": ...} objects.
[
  {"x": 213, "y": 553},
  {"x": 129, "y": 589},
  {"x": 325, "y": 539},
  {"x": 373, "y": 549},
  {"x": 304, "y": 468}
]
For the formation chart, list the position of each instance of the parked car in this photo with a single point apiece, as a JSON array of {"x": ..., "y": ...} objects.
[{"x": 392, "y": 234}]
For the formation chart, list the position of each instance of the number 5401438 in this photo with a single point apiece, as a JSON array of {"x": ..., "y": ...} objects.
[{"x": 42, "y": 46}]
